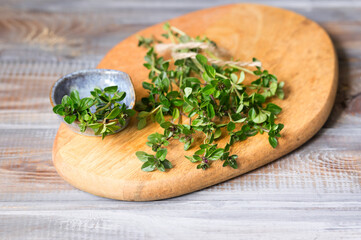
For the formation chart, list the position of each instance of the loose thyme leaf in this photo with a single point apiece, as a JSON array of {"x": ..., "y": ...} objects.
[
  {"x": 217, "y": 154},
  {"x": 167, "y": 164},
  {"x": 273, "y": 141},
  {"x": 142, "y": 156},
  {"x": 161, "y": 153},
  {"x": 142, "y": 123},
  {"x": 148, "y": 166}
]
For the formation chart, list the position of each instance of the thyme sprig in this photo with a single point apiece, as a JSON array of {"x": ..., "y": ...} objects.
[
  {"x": 109, "y": 116},
  {"x": 213, "y": 99}
]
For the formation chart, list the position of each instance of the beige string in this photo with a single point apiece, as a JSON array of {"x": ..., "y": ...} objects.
[
  {"x": 174, "y": 48},
  {"x": 165, "y": 47}
]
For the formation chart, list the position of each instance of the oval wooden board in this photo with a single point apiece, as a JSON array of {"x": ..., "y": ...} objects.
[{"x": 291, "y": 46}]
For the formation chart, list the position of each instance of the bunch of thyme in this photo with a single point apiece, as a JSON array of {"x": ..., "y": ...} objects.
[{"x": 213, "y": 97}]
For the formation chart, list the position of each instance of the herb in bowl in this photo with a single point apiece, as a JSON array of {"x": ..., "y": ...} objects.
[{"x": 108, "y": 117}]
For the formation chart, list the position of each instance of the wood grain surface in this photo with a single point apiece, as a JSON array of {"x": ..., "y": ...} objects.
[
  {"x": 109, "y": 167},
  {"x": 311, "y": 193}
]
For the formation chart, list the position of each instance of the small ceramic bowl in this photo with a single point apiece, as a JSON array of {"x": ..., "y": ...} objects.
[{"x": 85, "y": 81}]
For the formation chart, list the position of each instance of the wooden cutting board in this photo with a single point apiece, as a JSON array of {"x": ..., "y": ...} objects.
[{"x": 291, "y": 46}]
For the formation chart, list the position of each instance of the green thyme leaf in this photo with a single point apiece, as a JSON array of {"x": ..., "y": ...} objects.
[
  {"x": 142, "y": 156},
  {"x": 142, "y": 123},
  {"x": 161, "y": 154},
  {"x": 260, "y": 117},
  {"x": 201, "y": 59},
  {"x": 231, "y": 126},
  {"x": 273, "y": 141},
  {"x": 114, "y": 113},
  {"x": 273, "y": 108},
  {"x": 70, "y": 119},
  {"x": 111, "y": 89},
  {"x": 148, "y": 166},
  {"x": 167, "y": 164}
]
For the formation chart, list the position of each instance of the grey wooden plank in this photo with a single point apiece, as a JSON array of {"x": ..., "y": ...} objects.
[
  {"x": 189, "y": 220},
  {"x": 86, "y": 5},
  {"x": 71, "y": 35}
]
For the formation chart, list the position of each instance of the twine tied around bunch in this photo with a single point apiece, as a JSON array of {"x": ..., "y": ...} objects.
[{"x": 174, "y": 48}]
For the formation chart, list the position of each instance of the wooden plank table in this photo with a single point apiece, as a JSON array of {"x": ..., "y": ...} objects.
[{"x": 312, "y": 193}]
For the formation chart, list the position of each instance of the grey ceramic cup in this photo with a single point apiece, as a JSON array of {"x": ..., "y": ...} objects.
[{"x": 85, "y": 81}]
